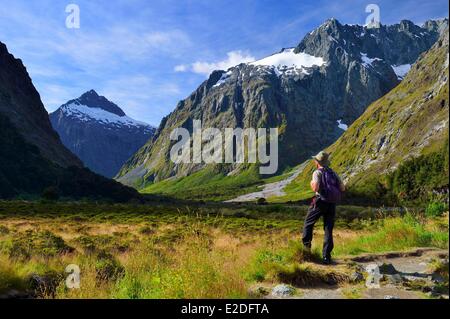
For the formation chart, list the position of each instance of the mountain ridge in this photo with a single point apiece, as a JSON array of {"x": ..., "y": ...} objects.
[
  {"x": 33, "y": 160},
  {"x": 21, "y": 103},
  {"x": 311, "y": 101},
  {"x": 92, "y": 99},
  {"x": 404, "y": 132},
  {"x": 99, "y": 132}
]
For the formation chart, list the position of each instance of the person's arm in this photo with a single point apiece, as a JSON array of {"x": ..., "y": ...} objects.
[
  {"x": 315, "y": 183},
  {"x": 314, "y": 186}
]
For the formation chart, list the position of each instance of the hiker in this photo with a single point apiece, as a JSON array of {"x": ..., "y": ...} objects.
[{"x": 328, "y": 188}]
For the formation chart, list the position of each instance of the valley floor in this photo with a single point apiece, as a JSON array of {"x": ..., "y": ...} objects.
[
  {"x": 213, "y": 251},
  {"x": 271, "y": 190}
]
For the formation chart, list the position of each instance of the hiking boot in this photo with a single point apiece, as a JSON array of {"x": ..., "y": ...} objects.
[{"x": 326, "y": 261}]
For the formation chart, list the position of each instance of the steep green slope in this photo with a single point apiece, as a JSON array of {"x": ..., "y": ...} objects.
[
  {"x": 32, "y": 158},
  {"x": 349, "y": 67},
  {"x": 21, "y": 104},
  {"x": 209, "y": 184},
  {"x": 25, "y": 172},
  {"x": 398, "y": 149}
]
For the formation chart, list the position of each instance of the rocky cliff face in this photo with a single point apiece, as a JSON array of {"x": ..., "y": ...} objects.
[
  {"x": 311, "y": 93},
  {"x": 21, "y": 104},
  {"x": 32, "y": 157},
  {"x": 409, "y": 122},
  {"x": 99, "y": 132}
]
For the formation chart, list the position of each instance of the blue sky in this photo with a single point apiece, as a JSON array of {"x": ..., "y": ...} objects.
[{"x": 147, "y": 55}]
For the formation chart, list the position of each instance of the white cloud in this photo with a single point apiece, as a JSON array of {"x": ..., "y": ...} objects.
[
  {"x": 93, "y": 50},
  {"x": 233, "y": 58},
  {"x": 181, "y": 68}
]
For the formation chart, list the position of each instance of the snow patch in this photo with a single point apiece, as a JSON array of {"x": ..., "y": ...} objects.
[
  {"x": 367, "y": 62},
  {"x": 288, "y": 62},
  {"x": 401, "y": 70},
  {"x": 223, "y": 79},
  {"x": 85, "y": 114},
  {"x": 342, "y": 126}
]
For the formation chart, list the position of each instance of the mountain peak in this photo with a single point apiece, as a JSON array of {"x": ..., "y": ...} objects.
[
  {"x": 408, "y": 25},
  {"x": 93, "y": 100},
  {"x": 92, "y": 93},
  {"x": 437, "y": 25},
  {"x": 331, "y": 23},
  {"x": 99, "y": 132}
]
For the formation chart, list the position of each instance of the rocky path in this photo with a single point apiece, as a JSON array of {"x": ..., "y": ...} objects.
[
  {"x": 270, "y": 190},
  {"x": 402, "y": 275}
]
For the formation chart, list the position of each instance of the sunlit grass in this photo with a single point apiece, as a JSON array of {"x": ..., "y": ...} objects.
[
  {"x": 135, "y": 252},
  {"x": 397, "y": 234}
]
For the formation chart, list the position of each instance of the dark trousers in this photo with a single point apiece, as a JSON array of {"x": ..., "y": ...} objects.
[{"x": 319, "y": 209}]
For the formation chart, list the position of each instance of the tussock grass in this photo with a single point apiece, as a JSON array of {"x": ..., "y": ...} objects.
[
  {"x": 398, "y": 233},
  {"x": 10, "y": 279},
  {"x": 307, "y": 276},
  {"x": 136, "y": 251}
]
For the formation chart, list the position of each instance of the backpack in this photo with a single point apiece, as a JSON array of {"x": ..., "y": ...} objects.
[{"x": 330, "y": 186}]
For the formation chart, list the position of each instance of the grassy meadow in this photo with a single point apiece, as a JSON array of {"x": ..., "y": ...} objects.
[{"x": 186, "y": 250}]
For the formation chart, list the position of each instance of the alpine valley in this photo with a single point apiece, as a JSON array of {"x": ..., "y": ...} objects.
[
  {"x": 93, "y": 207},
  {"x": 311, "y": 93}
]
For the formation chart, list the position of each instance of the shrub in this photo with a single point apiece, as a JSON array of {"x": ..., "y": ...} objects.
[
  {"x": 4, "y": 230},
  {"x": 49, "y": 244},
  {"x": 417, "y": 177},
  {"x": 45, "y": 285},
  {"x": 107, "y": 268},
  {"x": 436, "y": 209},
  {"x": 146, "y": 230},
  {"x": 87, "y": 243},
  {"x": 304, "y": 276},
  {"x": 46, "y": 244}
]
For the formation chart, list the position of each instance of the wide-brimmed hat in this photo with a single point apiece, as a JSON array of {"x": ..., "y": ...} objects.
[{"x": 323, "y": 158}]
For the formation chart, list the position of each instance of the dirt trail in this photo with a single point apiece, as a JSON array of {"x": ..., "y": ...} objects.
[
  {"x": 403, "y": 275},
  {"x": 270, "y": 190}
]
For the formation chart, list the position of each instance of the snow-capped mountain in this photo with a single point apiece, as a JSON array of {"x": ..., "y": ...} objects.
[
  {"x": 312, "y": 93},
  {"x": 99, "y": 132},
  {"x": 85, "y": 113}
]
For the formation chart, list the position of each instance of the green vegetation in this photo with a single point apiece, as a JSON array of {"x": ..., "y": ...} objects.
[
  {"x": 25, "y": 173},
  {"x": 397, "y": 234},
  {"x": 212, "y": 184},
  {"x": 441, "y": 269},
  {"x": 397, "y": 151},
  {"x": 418, "y": 177},
  {"x": 44, "y": 243},
  {"x": 291, "y": 265},
  {"x": 436, "y": 209},
  {"x": 209, "y": 184},
  {"x": 191, "y": 251}
]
